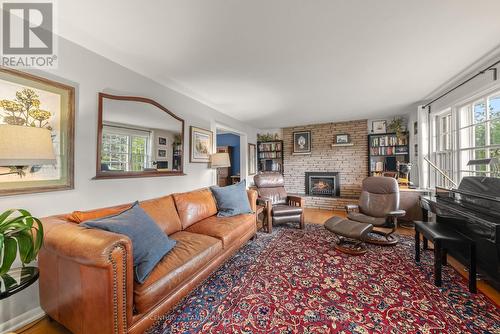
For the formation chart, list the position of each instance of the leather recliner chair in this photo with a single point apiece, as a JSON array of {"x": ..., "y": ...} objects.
[
  {"x": 379, "y": 206},
  {"x": 279, "y": 206}
]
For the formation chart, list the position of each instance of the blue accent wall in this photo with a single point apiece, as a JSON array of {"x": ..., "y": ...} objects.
[{"x": 228, "y": 139}]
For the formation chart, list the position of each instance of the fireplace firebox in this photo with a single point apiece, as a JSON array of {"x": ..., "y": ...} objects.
[{"x": 325, "y": 184}]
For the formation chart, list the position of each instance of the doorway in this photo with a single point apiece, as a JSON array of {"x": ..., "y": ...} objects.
[{"x": 229, "y": 142}]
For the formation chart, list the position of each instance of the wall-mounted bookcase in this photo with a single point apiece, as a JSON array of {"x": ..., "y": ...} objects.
[
  {"x": 385, "y": 150},
  {"x": 270, "y": 156}
]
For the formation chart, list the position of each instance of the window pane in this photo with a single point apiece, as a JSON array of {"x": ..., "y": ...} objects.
[
  {"x": 495, "y": 132},
  {"x": 480, "y": 135},
  {"x": 494, "y": 107},
  {"x": 479, "y": 112}
]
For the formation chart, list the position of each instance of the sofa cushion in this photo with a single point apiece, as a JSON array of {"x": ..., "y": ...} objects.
[
  {"x": 149, "y": 242},
  {"x": 162, "y": 211},
  {"x": 190, "y": 255},
  {"x": 232, "y": 200},
  {"x": 227, "y": 229},
  {"x": 194, "y": 206}
]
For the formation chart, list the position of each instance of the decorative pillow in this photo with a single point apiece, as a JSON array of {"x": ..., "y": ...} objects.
[
  {"x": 232, "y": 200},
  {"x": 149, "y": 242}
]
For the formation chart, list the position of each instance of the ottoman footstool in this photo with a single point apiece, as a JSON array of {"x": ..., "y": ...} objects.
[{"x": 351, "y": 234}]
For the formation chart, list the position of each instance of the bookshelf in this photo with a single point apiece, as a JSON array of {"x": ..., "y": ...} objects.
[
  {"x": 270, "y": 156},
  {"x": 385, "y": 150}
]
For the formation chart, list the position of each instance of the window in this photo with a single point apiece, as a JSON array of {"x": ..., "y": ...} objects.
[
  {"x": 125, "y": 149},
  {"x": 472, "y": 132},
  {"x": 479, "y": 134}
]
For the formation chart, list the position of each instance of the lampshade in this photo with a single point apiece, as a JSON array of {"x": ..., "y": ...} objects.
[
  {"x": 25, "y": 146},
  {"x": 219, "y": 160}
]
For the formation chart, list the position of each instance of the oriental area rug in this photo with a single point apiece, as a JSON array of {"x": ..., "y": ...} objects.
[{"x": 294, "y": 281}]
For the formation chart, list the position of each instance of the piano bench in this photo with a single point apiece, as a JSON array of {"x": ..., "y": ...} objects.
[{"x": 442, "y": 237}]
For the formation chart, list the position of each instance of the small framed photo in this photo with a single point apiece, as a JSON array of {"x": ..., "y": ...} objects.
[
  {"x": 342, "y": 139},
  {"x": 162, "y": 154},
  {"x": 379, "y": 126},
  {"x": 162, "y": 141},
  {"x": 302, "y": 142}
]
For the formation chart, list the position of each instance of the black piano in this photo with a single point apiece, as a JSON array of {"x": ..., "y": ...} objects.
[{"x": 472, "y": 209}]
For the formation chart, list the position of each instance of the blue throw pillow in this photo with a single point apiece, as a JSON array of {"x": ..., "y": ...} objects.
[
  {"x": 149, "y": 242},
  {"x": 232, "y": 200}
]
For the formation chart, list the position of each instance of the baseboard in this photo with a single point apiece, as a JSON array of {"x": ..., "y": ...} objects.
[{"x": 21, "y": 320}]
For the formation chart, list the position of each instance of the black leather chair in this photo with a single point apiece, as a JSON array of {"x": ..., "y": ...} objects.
[{"x": 279, "y": 206}]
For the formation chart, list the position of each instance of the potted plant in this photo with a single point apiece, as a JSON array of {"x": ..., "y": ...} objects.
[
  {"x": 397, "y": 125},
  {"x": 21, "y": 234}
]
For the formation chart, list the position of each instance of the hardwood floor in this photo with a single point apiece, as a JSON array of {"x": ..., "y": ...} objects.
[{"x": 312, "y": 216}]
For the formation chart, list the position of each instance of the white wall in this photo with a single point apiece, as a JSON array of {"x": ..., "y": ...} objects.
[{"x": 90, "y": 74}]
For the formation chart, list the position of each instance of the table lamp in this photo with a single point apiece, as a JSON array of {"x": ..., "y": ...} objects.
[
  {"x": 23, "y": 146},
  {"x": 219, "y": 160}
]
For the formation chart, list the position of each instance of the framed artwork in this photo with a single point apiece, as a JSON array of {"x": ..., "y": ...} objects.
[
  {"x": 162, "y": 154},
  {"x": 302, "y": 142},
  {"x": 415, "y": 128},
  {"x": 200, "y": 144},
  {"x": 32, "y": 101},
  {"x": 379, "y": 126},
  {"x": 162, "y": 141},
  {"x": 252, "y": 159},
  {"x": 342, "y": 139}
]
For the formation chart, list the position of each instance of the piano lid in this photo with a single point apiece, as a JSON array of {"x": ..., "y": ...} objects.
[{"x": 481, "y": 186}]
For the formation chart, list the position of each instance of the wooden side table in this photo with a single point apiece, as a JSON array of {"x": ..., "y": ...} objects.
[{"x": 261, "y": 210}]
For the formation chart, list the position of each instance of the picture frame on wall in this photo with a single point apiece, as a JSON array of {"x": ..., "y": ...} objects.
[
  {"x": 342, "y": 139},
  {"x": 161, "y": 154},
  {"x": 252, "y": 159},
  {"x": 379, "y": 126},
  {"x": 30, "y": 101},
  {"x": 200, "y": 145},
  {"x": 162, "y": 141},
  {"x": 302, "y": 142}
]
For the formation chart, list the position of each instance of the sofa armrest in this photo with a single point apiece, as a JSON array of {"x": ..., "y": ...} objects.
[
  {"x": 252, "y": 198},
  {"x": 86, "y": 277},
  {"x": 296, "y": 201},
  {"x": 351, "y": 208}
]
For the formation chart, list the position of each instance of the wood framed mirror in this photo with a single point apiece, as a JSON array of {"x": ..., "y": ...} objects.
[{"x": 137, "y": 137}]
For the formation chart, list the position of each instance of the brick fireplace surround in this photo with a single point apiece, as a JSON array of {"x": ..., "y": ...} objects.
[{"x": 350, "y": 161}]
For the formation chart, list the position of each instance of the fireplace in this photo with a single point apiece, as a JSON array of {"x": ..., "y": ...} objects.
[{"x": 325, "y": 184}]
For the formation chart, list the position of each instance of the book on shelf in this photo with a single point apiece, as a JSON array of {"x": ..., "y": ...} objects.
[
  {"x": 273, "y": 146},
  {"x": 270, "y": 166},
  {"x": 388, "y": 140},
  {"x": 388, "y": 150},
  {"x": 269, "y": 155}
]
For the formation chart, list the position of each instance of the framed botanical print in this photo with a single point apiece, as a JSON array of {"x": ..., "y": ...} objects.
[
  {"x": 302, "y": 142},
  {"x": 31, "y": 101},
  {"x": 200, "y": 144},
  {"x": 252, "y": 159}
]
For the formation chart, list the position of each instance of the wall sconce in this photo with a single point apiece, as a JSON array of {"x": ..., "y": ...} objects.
[{"x": 23, "y": 146}]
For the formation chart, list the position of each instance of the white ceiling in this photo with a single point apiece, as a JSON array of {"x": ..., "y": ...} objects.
[{"x": 277, "y": 63}]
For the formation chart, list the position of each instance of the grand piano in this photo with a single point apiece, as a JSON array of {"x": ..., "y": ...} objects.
[{"x": 472, "y": 209}]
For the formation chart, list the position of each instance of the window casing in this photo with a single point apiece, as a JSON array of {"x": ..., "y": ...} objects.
[{"x": 469, "y": 131}]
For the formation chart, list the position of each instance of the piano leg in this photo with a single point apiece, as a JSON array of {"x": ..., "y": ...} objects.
[
  {"x": 426, "y": 244},
  {"x": 444, "y": 257},
  {"x": 417, "y": 246},
  {"x": 472, "y": 269},
  {"x": 437, "y": 263}
]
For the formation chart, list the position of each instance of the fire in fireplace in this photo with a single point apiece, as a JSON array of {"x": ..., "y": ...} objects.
[{"x": 325, "y": 184}]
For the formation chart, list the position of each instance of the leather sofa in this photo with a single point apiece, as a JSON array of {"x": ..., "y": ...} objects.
[{"x": 86, "y": 275}]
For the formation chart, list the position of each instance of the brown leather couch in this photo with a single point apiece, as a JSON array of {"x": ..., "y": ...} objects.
[{"x": 86, "y": 275}]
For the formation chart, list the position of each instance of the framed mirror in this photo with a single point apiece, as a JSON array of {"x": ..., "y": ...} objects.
[{"x": 137, "y": 137}]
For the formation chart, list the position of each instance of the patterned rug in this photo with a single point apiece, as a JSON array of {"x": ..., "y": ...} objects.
[{"x": 293, "y": 281}]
